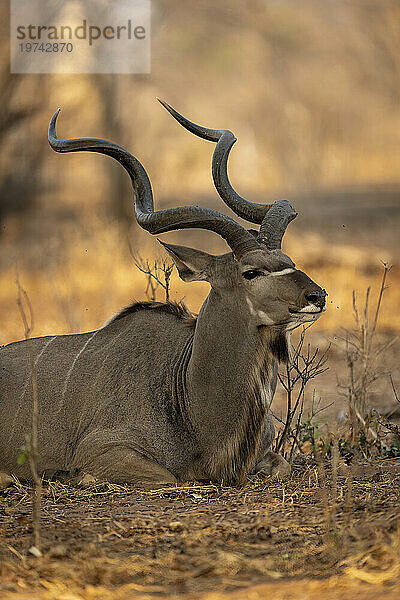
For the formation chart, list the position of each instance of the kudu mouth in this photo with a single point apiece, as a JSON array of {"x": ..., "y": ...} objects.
[
  {"x": 316, "y": 303},
  {"x": 310, "y": 311}
]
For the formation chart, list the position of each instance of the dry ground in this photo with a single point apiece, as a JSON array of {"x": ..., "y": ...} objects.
[{"x": 321, "y": 533}]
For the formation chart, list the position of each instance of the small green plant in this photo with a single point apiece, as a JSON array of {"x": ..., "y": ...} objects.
[
  {"x": 393, "y": 451},
  {"x": 308, "y": 433},
  {"x": 312, "y": 440}
]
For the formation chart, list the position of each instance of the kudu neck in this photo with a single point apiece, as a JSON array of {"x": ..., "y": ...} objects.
[{"x": 223, "y": 376}]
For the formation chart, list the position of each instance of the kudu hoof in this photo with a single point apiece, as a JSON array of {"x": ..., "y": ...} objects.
[
  {"x": 273, "y": 465},
  {"x": 5, "y": 481}
]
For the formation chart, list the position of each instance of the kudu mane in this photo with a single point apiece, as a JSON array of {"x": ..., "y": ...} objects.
[{"x": 178, "y": 309}]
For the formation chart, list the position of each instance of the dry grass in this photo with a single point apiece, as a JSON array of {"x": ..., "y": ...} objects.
[{"x": 111, "y": 541}]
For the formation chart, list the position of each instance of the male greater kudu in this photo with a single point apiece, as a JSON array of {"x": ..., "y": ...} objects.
[{"x": 156, "y": 396}]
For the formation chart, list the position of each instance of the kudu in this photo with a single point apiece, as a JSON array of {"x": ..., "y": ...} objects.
[{"x": 156, "y": 396}]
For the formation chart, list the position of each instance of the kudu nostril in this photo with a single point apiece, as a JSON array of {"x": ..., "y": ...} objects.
[{"x": 316, "y": 297}]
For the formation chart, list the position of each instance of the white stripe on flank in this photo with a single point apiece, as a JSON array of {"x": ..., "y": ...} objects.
[
  {"x": 21, "y": 407},
  {"x": 110, "y": 320},
  {"x": 36, "y": 362},
  {"x": 43, "y": 349},
  {"x": 75, "y": 359},
  {"x": 283, "y": 272}
]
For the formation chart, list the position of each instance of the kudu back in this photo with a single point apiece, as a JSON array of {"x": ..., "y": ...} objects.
[{"x": 156, "y": 396}]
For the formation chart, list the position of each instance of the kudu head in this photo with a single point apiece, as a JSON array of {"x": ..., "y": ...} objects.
[{"x": 256, "y": 274}]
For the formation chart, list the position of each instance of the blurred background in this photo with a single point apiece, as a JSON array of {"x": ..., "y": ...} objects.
[{"x": 311, "y": 90}]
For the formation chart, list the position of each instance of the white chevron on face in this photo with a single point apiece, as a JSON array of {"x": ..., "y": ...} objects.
[{"x": 283, "y": 272}]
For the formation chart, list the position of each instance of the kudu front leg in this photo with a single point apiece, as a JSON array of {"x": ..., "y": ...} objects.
[
  {"x": 5, "y": 481},
  {"x": 117, "y": 463},
  {"x": 272, "y": 464},
  {"x": 268, "y": 462}
]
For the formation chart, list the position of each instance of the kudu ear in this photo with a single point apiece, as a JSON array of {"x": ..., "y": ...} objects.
[{"x": 192, "y": 265}]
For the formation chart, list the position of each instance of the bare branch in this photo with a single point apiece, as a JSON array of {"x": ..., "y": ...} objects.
[
  {"x": 152, "y": 272},
  {"x": 304, "y": 366},
  {"x": 393, "y": 388},
  {"x": 31, "y": 448}
]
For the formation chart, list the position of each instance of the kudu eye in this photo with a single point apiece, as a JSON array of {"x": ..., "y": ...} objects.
[{"x": 252, "y": 273}]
